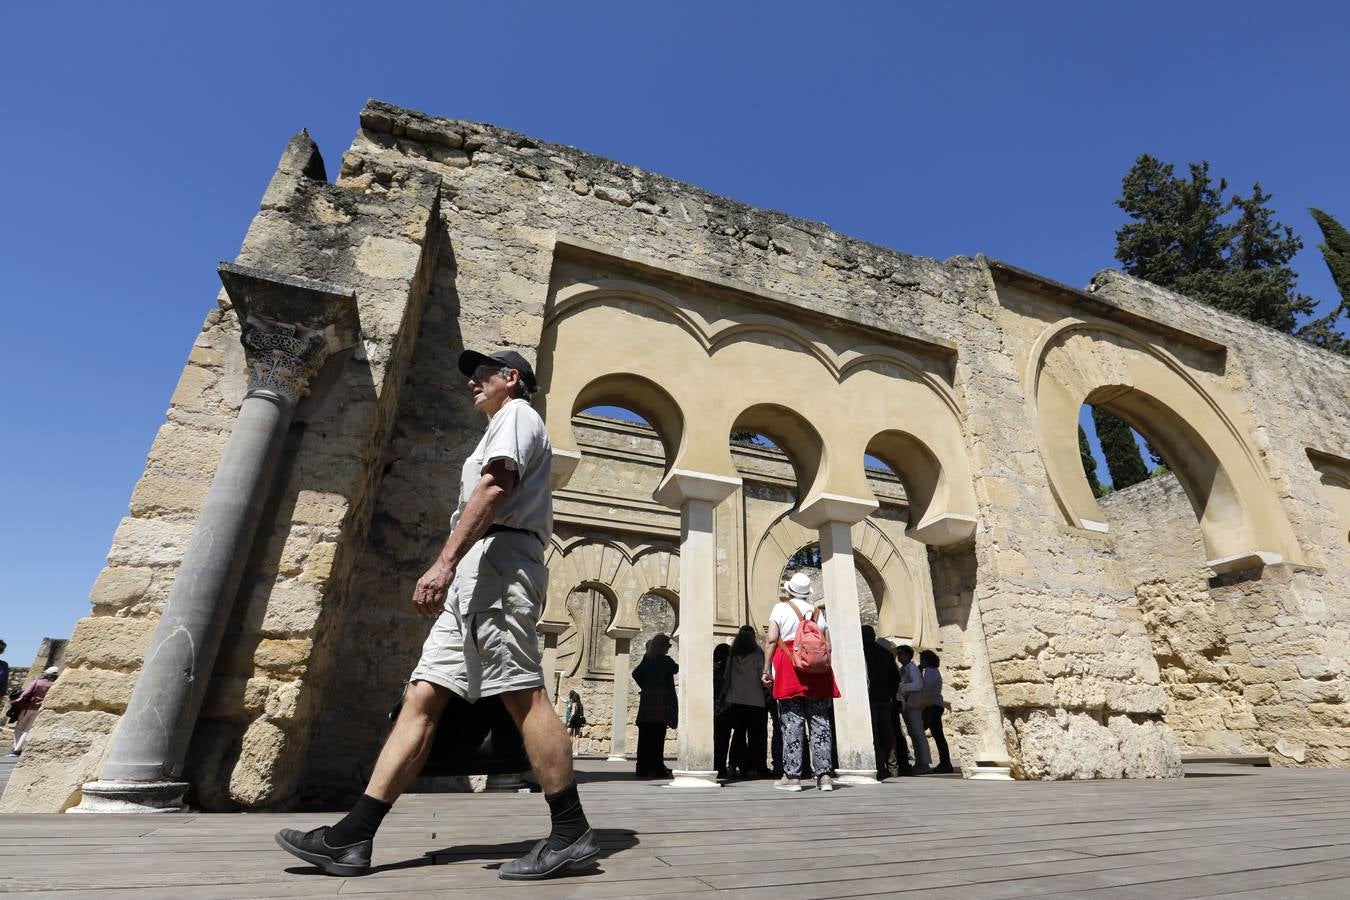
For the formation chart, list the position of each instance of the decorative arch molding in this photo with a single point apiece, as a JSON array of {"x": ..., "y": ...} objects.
[
  {"x": 622, "y": 571},
  {"x": 903, "y": 605},
  {"x": 712, "y": 336},
  {"x": 691, "y": 368},
  {"x": 1075, "y": 361}
]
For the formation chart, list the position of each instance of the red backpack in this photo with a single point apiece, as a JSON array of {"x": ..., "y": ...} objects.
[{"x": 810, "y": 650}]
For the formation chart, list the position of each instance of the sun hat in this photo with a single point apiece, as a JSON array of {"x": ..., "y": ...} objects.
[{"x": 799, "y": 586}]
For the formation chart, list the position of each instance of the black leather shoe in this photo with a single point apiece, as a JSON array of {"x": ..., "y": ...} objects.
[
  {"x": 542, "y": 862},
  {"x": 353, "y": 859}
]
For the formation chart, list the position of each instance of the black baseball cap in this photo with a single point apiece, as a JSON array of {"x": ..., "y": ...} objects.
[{"x": 470, "y": 360}]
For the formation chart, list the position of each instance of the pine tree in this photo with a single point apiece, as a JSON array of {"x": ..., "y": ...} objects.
[
  {"x": 1335, "y": 249},
  {"x": 1184, "y": 236},
  {"x": 1089, "y": 464},
  {"x": 1123, "y": 459}
]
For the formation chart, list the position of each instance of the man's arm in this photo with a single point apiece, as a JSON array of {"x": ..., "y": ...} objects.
[
  {"x": 909, "y": 679},
  {"x": 495, "y": 485}
]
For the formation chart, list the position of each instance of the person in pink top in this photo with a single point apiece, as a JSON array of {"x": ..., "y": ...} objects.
[
  {"x": 802, "y": 697},
  {"x": 29, "y": 704}
]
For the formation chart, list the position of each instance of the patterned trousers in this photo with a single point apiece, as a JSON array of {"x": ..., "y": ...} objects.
[{"x": 793, "y": 714}]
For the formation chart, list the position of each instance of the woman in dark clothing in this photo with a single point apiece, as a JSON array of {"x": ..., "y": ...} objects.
[
  {"x": 721, "y": 715},
  {"x": 745, "y": 703},
  {"x": 932, "y": 714},
  {"x": 658, "y": 707}
]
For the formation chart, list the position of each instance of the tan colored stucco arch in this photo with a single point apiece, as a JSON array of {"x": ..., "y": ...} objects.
[
  {"x": 904, "y": 605},
  {"x": 624, "y": 573},
  {"x": 1193, "y": 424},
  {"x": 585, "y": 561},
  {"x": 656, "y": 569},
  {"x": 795, "y": 436},
  {"x": 655, "y": 352}
]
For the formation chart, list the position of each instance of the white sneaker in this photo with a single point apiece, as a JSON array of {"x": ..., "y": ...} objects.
[
  {"x": 788, "y": 784},
  {"x": 825, "y": 783}
]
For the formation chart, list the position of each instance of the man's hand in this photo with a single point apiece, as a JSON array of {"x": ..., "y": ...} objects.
[{"x": 429, "y": 595}]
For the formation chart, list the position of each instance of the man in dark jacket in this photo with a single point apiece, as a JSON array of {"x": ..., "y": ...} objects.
[{"x": 883, "y": 680}]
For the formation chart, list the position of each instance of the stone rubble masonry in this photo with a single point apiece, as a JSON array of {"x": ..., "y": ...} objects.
[
  {"x": 252, "y": 733},
  {"x": 458, "y": 234}
]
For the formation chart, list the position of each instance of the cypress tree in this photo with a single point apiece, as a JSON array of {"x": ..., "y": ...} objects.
[
  {"x": 1089, "y": 464},
  {"x": 1184, "y": 235},
  {"x": 1123, "y": 459},
  {"x": 1335, "y": 249}
]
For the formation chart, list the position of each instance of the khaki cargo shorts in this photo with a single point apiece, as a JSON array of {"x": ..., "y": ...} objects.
[{"x": 485, "y": 641}]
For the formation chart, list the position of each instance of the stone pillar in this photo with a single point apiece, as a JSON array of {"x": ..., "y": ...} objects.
[
  {"x": 289, "y": 327},
  {"x": 551, "y": 631},
  {"x": 618, "y": 744},
  {"x": 834, "y": 517},
  {"x": 696, "y": 494}
]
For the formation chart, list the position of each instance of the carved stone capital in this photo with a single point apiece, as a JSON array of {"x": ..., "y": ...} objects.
[
  {"x": 282, "y": 358},
  {"x": 288, "y": 325}
]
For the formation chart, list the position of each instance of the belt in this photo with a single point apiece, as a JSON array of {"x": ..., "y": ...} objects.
[{"x": 503, "y": 529}]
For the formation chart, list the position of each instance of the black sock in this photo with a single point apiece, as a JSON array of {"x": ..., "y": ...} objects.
[
  {"x": 569, "y": 820},
  {"x": 360, "y": 824}
]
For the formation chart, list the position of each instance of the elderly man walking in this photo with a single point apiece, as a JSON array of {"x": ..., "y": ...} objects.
[{"x": 486, "y": 591}]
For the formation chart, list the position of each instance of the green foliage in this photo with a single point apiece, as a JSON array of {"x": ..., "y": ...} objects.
[
  {"x": 1335, "y": 249},
  {"x": 1123, "y": 459},
  {"x": 1230, "y": 254},
  {"x": 1089, "y": 464}
]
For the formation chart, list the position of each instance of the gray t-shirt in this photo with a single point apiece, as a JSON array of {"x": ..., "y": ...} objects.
[{"x": 515, "y": 434}]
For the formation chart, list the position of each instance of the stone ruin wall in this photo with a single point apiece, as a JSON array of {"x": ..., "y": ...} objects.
[
  {"x": 447, "y": 230},
  {"x": 1244, "y": 672},
  {"x": 1265, "y": 654}
]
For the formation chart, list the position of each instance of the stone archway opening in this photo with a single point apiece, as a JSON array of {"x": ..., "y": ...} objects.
[
  {"x": 1160, "y": 547},
  {"x": 871, "y": 587},
  {"x": 941, "y": 613}
]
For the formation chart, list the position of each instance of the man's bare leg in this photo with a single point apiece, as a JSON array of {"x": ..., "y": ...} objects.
[
  {"x": 406, "y": 749},
  {"x": 344, "y": 848},
  {"x": 546, "y": 740},
  {"x": 571, "y": 843}
]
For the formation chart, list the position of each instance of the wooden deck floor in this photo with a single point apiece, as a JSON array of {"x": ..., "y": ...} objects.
[{"x": 1223, "y": 831}]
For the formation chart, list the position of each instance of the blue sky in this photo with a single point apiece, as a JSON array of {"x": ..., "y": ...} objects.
[{"x": 137, "y": 139}]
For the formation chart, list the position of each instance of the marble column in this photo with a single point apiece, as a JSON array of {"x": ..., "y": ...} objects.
[
  {"x": 551, "y": 632},
  {"x": 623, "y": 678},
  {"x": 835, "y": 517},
  {"x": 696, "y": 494},
  {"x": 143, "y": 769}
]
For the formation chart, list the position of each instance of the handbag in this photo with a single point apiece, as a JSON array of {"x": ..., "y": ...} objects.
[{"x": 925, "y": 696}]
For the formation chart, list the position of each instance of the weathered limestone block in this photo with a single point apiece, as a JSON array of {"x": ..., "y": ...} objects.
[
  {"x": 1146, "y": 746},
  {"x": 70, "y": 745},
  {"x": 258, "y": 777},
  {"x": 1065, "y": 745},
  {"x": 149, "y": 542},
  {"x": 90, "y": 689},
  {"x": 283, "y": 657},
  {"x": 119, "y": 586},
  {"x": 109, "y": 642}
]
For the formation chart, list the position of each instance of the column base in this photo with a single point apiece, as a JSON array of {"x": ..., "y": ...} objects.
[
  {"x": 856, "y": 776},
  {"x": 686, "y": 778},
  {"x": 132, "y": 797},
  {"x": 982, "y": 771},
  {"x": 616, "y": 758}
]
